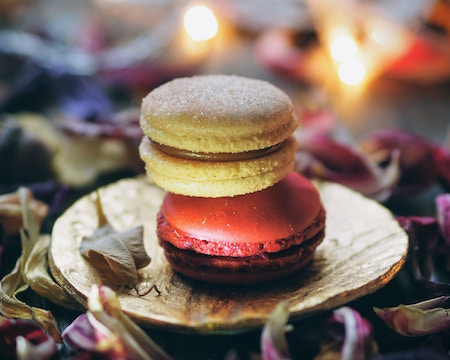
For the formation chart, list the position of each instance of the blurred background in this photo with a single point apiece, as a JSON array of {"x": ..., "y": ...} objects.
[{"x": 369, "y": 79}]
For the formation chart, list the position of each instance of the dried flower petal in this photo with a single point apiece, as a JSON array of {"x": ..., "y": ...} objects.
[
  {"x": 110, "y": 330},
  {"x": 11, "y": 212},
  {"x": 423, "y": 233},
  {"x": 20, "y": 147},
  {"x": 36, "y": 275},
  {"x": 423, "y": 318},
  {"x": 36, "y": 88},
  {"x": 442, "y": 160},
  {"x": 273, "y": 341},
  {"x": 115, "y": 255},
  {"x": 24, "y": 339},
  {"x": 443, "y": 217},
  {"x": 31, "y": 270},
  {"x": 14, "y": 283},
  {"x": 85, "y": 335},
  {"x": 322, "y": 157},
  {"x": 358, "y": 343},
  {"x": 26, "y": 350},
  {"x": 108, "y": 251},
  {"x": 417, "y": 166}
]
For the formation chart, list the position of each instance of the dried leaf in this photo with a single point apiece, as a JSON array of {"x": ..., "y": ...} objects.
[
  {"x": 31, "y": 270},
  {"x": 11, "y": 212},
  {"x": 10, "y": 286},
  {"x": 37, "y": 275},
  {"x": 115, "y": 255},
  {"x": 110, "y": 331},
  {"x": 273, "y": 342},
  {"x": 423, "y": 318}
]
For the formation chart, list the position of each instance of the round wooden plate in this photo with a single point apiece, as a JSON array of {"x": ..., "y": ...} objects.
[{"x": 363, "y": 249}]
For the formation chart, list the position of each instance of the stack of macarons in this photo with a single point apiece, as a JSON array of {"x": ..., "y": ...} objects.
[{"x": 222, "y": 148}]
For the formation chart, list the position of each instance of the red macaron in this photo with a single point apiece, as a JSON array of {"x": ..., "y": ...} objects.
[{"x": 248, "y": 238}]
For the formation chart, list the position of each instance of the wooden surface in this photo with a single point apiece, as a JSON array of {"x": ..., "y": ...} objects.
[{"x": 363, "y": 249}]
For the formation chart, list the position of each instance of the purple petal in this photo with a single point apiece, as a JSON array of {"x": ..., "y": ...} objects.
[
  {"x": 320, "y": 156},
  {"x": 443, "y": 216},
  {"x": 81, "y": 98},
  {"x": 273, "y": 341},
  {"x": 29, "y": 90},
  {"x": 423, "y": 318},
  {"x": 358, "y": 333},
  {"x": 107, "y": 315},
  {"x": 423, "y": 233},
  {"x": 442, "y": 159},
  {"x": 124, "y": 125},
  {"x": 80, "y": 335},
  {"x": 332, "y": 154},
  {"x": 417, "y": 166},
  {"x": 38, "y": 88}
]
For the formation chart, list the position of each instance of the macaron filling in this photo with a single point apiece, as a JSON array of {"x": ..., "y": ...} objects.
[{"x": 216, "y": 156}]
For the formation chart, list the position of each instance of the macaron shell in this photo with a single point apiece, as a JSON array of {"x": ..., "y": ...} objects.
[
  {"x": 245, "y": 225},
  {"x": 217, "y": 179},
  {"x": 240, "y": 271},
  {"x": 218, "y": 113}
]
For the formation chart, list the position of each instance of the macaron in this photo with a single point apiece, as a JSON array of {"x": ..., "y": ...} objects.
[
  {"x": 217, "y": 135},
  {"x": 250, "y": 238},
  {"x": 222, "y": 148}
]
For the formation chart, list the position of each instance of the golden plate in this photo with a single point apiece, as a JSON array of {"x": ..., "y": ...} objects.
[{"x": 363, "y": 249}]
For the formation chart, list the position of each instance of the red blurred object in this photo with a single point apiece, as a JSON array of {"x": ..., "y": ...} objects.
[{"x": 425, "y": 61}]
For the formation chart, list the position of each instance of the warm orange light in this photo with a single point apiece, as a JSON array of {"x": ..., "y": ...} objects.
[
  {"x": 200, "y": 23},
  {"x": 342, "y": 45},
  {"x": 352, "y": 72}
]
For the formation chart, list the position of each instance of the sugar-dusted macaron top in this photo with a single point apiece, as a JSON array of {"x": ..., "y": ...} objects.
[
  {"x": 218, "y": 113},
  {"x": 257, "y": 219}
]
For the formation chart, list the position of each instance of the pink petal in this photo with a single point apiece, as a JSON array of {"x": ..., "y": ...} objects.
[
  {"x": 273, "y": 341},
  {"x": 32, "y": 336},
  {"x": 26, "y": 350},
  {"x": 423, "y": 318},
  {"x": 417, "y": 166},
  {"x": 423, "y": 233},
  {"x": 318, "y": 119},
  {"x": 105, "y": 311},
  {"x": 81, "y": 335},
  {"x": 358, "y": 333},
  {"x": 443, "y": 216},
  {"x": 320, "y": 156},
  {"x": 442, "y": 159}
]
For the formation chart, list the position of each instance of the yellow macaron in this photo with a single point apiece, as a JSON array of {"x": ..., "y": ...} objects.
[{"x": 217, "y": 135}]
